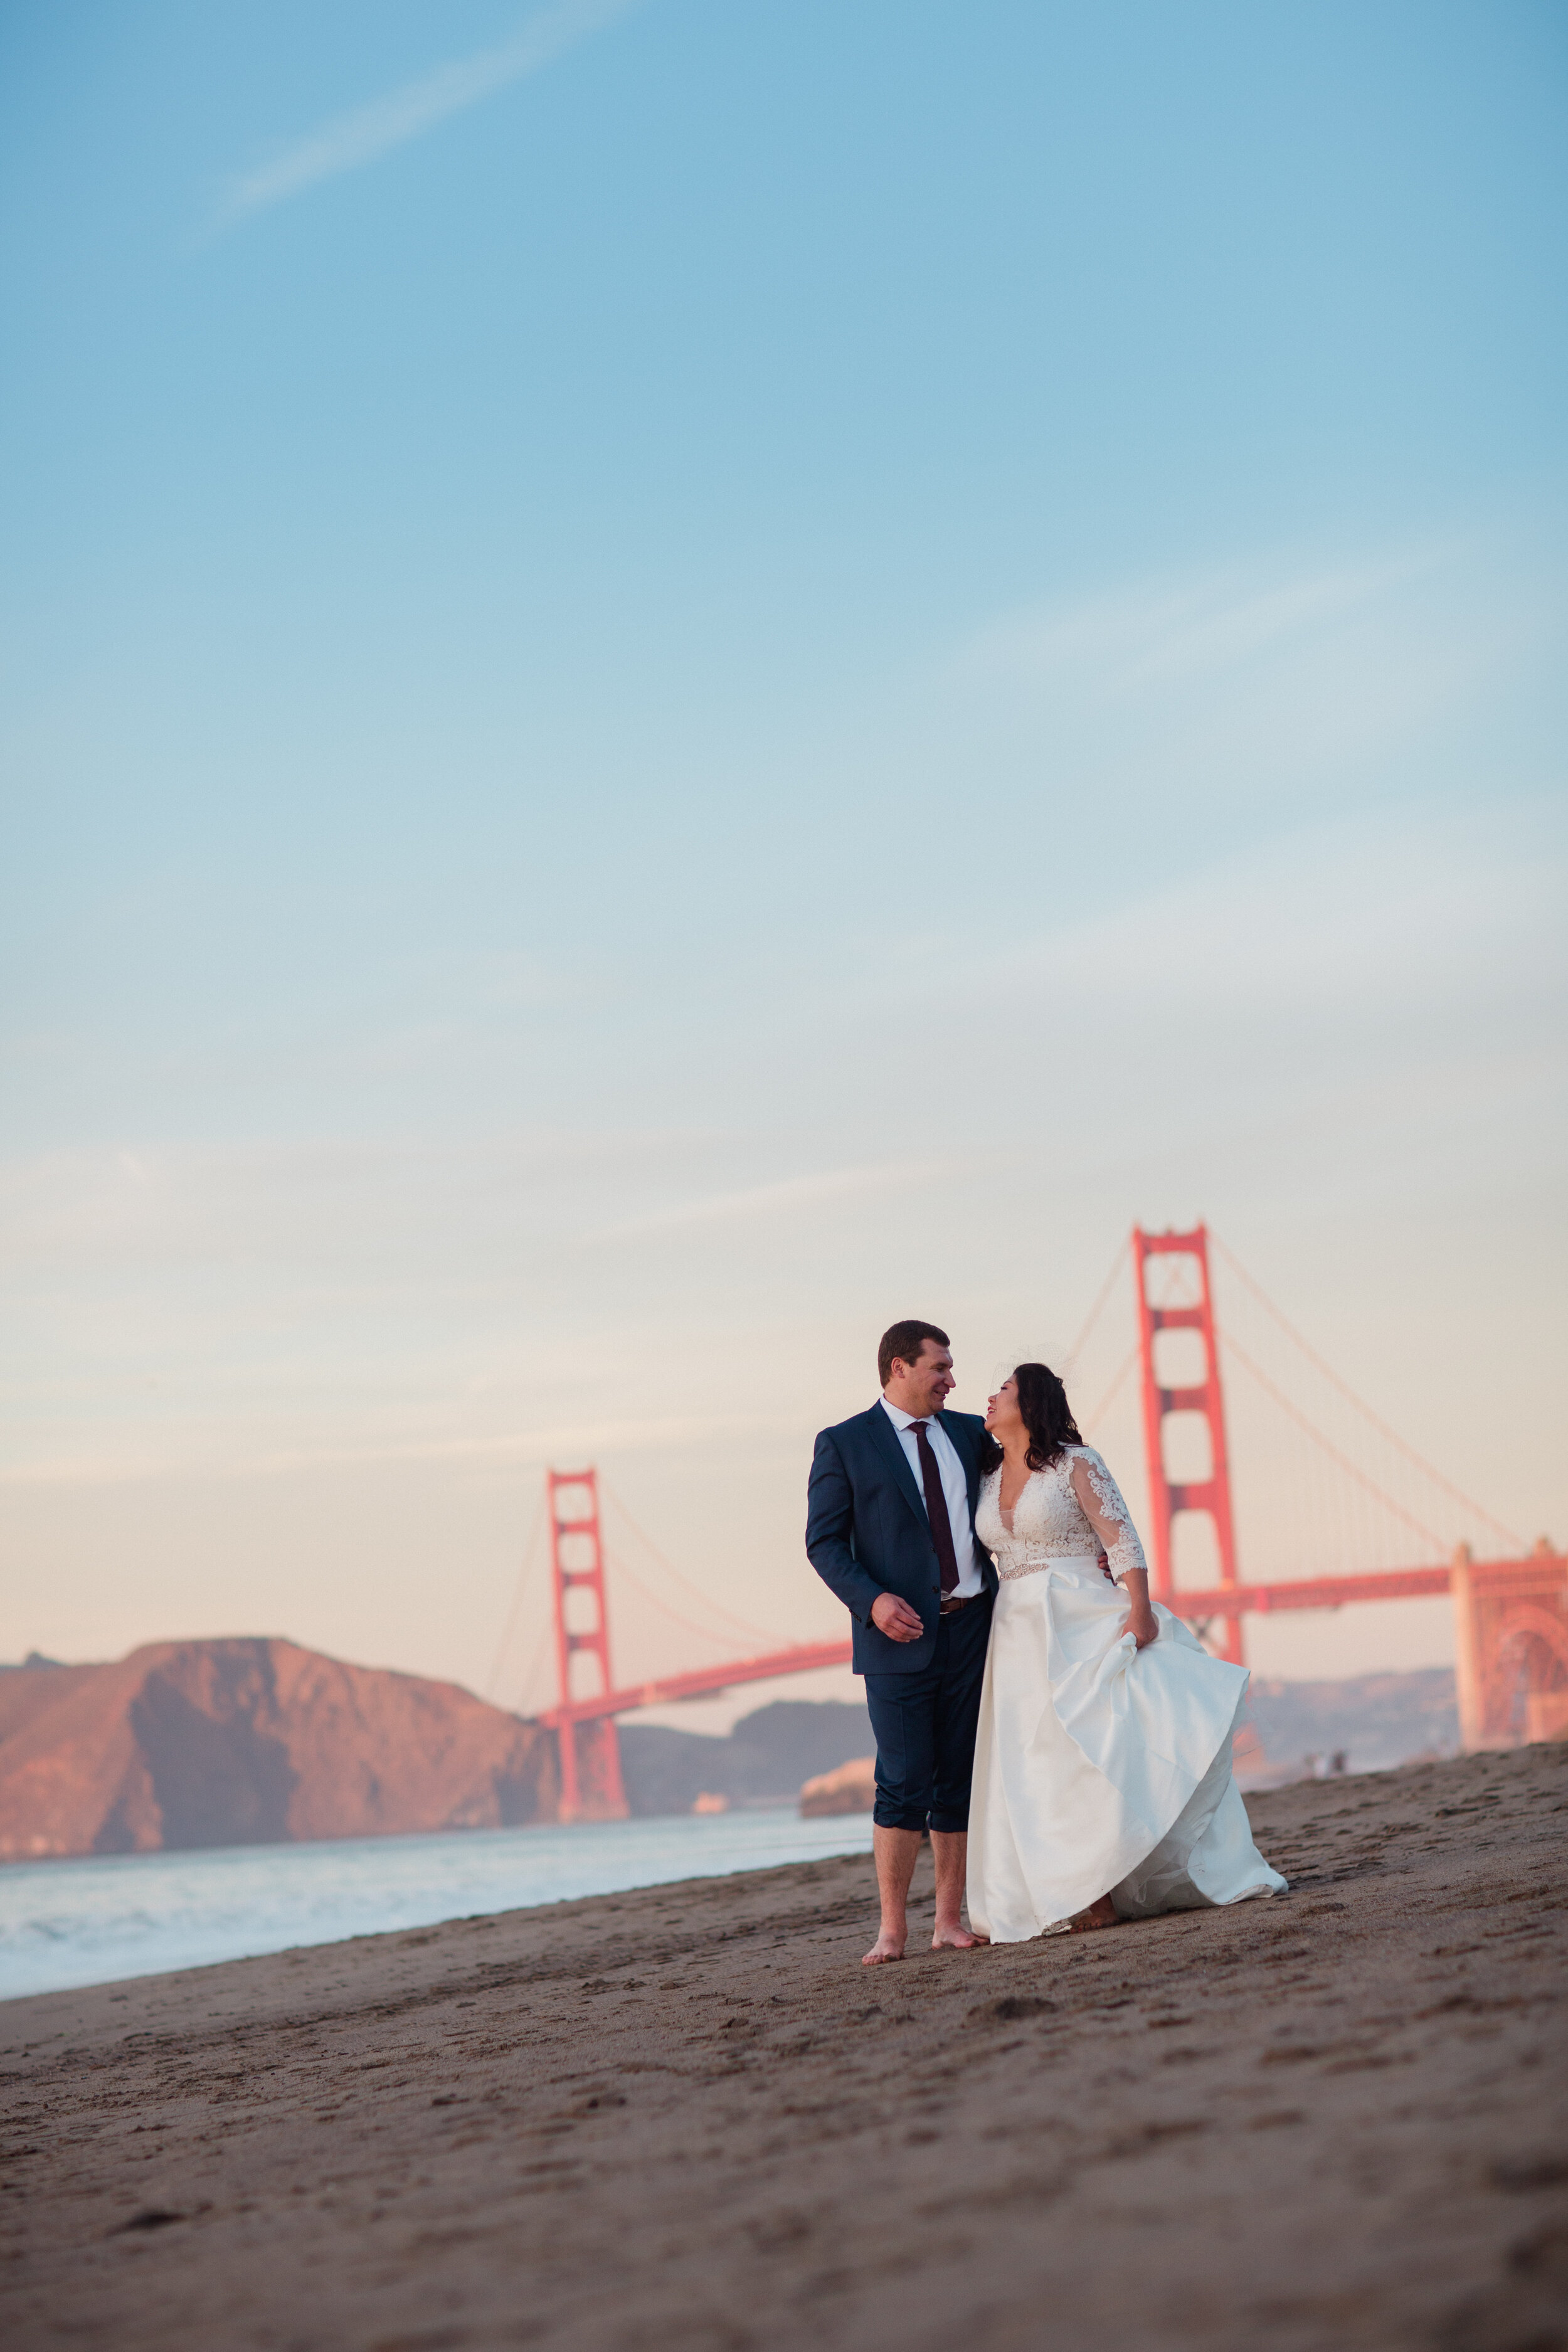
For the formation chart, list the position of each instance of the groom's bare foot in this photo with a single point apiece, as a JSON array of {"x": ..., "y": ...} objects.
[
  {"x": 956, "y": 1940},
  {"x": 886, "y": 1947}
]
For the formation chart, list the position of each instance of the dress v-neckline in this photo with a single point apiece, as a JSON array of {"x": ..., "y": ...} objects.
[{"x": 1008, "y": 1513}]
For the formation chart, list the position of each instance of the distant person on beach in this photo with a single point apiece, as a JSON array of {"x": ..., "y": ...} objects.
[
  {"x": 890, "y": 1529},
  {"x": 1102, "y": 1784}
]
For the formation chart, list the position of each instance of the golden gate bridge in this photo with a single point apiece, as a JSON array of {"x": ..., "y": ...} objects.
[{"x": 1510, "y": 1607}]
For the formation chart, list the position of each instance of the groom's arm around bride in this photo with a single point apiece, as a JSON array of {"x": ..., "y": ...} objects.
[{"x": 890, "y": 1530}]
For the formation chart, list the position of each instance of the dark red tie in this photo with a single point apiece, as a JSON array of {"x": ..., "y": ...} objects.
[{"x": 936, "y": 1509}]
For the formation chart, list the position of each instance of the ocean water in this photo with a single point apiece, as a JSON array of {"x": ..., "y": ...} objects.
[{"x": 105, "y": 1917}]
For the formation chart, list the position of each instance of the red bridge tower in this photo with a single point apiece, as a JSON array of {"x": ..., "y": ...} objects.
[
  {"x": 1174, "y": 1295},
  {"x": 590, "y": 1785}
]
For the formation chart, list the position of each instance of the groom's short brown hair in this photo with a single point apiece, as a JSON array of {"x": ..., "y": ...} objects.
[{"x": 905, "y": 1340}]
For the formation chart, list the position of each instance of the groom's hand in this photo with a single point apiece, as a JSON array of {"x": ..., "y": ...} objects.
[{"x": 896, "y": 1618}]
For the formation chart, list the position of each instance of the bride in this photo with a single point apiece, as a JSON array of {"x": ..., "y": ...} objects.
[{"x": 1102, "y": 1780}]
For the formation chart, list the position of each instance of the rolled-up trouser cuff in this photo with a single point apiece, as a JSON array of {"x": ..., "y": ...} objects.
[{"x": 888, "y": 1816}]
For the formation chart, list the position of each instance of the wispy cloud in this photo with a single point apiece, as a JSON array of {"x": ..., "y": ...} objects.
[
  {"x": 757, "y": 1201},
  {"x": 373, "y": 131},
  {"x": 574, "y": 1440},
  {"x": 1163, "y": 633}
]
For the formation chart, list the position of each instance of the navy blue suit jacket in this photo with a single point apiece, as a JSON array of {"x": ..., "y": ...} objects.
[{"x": 866, "y": 1531}]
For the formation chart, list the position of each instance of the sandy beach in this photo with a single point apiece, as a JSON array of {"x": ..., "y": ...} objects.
[{"x": 687, "y": 2118}]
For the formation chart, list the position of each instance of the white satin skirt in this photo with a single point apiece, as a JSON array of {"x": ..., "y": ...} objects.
[{"x": 1102, "y": 1769}]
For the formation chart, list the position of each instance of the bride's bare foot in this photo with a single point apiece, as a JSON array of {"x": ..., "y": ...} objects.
[
  {"x": 886, "y": 1947},
  {"x": 956, "y": 1940},
  {"x": 1099, "y": 1915}
]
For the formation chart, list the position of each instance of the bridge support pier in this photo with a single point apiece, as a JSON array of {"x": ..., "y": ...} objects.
[{"x": 591, "y": 1788}]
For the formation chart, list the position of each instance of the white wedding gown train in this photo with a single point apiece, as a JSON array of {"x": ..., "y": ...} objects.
[{"x": 1098, "y": 1767}]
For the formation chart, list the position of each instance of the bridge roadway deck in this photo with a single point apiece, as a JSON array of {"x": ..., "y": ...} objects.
[{"x": 1215, "y": 1601}]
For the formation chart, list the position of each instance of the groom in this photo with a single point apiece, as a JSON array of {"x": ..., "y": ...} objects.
[{"x": 890, "y": 1529}]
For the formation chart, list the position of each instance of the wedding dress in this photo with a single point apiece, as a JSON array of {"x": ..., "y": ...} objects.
[{"x": 1098, "y": 1767}]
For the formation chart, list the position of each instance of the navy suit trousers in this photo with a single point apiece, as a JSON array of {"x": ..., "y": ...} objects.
[{"x": 925, "y": 1725}]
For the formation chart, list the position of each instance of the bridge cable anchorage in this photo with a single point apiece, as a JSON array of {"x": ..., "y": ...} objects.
[
  {"x": 1392, "y": 1436},
  {"x": 740, "y": 1624},
  {"x": 508, "y": 1628}
]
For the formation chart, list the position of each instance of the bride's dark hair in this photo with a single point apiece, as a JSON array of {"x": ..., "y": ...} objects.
[{"x": 1048, "y": 1417}]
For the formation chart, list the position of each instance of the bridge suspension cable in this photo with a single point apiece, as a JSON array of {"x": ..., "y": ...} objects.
[
  {"x": 530, "y": 1552},
  {"x": 740, "y": 1625},
  {"x": 1098, "y": 1309},
  {"x": 1390, "y": 1436},
  {"x": 1109, "y": 1398},
  {"x": 1233, "y": 1348}
]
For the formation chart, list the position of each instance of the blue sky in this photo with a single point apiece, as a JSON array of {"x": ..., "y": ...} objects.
[{"x": 682, "y": 677}]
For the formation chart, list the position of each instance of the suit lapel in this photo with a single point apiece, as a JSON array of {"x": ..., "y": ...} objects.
[{"x": 885, "y": 1435}]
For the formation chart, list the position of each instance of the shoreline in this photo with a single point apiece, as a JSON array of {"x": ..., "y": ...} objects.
[
  {"x": 112, "y": 1918},
  {"x": 684, "y": 2116}
]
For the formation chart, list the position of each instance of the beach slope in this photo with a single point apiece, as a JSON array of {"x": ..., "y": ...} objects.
[{"x": 686, "y": 2118}]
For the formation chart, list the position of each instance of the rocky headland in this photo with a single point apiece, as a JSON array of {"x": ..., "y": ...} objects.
[{"x": 250, "y": 1742}]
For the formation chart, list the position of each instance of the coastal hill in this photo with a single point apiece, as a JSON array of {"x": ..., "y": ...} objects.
[
  {"x": 1376, "y": 1720},
  {"x": 250, "y": 1742},
  {"x": 762, "y": 1761},
  {"x": 1372, "y": 1720},
  {"x": 257, "y": 1742}
]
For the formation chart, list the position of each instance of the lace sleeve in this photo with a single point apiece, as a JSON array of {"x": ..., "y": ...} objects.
[{"x": 1099, "y": 1499}]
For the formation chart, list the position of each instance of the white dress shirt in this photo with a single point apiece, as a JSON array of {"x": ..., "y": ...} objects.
[{"x": 955, "y": 1486}]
